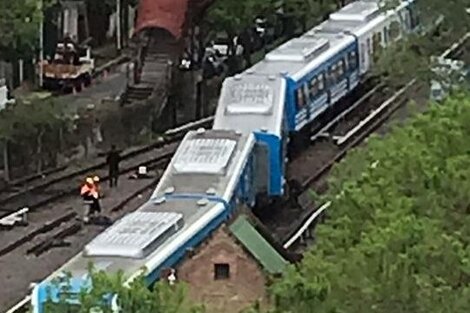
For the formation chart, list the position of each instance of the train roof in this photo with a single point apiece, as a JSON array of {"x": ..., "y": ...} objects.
[
  {"x": 357, "y": 18},
  {"x": 202, "y": 176},
  {"x": 303, "y": 54},
  {"x": 359, "y": 11},
  {"x": 206, "y": 163},
  {"x": 249, "y": 102},
  {"x": 333, "y": 26}
]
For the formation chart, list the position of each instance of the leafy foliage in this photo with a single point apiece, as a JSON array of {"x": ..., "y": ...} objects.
[
  {"x": 397, "y": 239},
  {"x": 19, "y": 22},
  {"x": 235, "y": 16},
  {"x": 33, "y": 132},
  {"x": 136, "y": 298}
]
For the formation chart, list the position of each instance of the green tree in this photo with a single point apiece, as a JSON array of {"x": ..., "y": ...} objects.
[
  {"x": 32, "y": 131},
  {"x": 135, "y": 298},
  {"x": 397, "y": 239},
  {"x": 19, "y": 22}
]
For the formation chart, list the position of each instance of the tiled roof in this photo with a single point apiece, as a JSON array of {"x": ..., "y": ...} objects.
[{"x": 259, "y": 248}]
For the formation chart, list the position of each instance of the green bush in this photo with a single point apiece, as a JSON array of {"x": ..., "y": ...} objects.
[{"x": 397, "y": 238}]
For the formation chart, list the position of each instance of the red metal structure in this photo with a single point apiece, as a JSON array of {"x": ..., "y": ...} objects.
[{"x": 167, "y": 14}]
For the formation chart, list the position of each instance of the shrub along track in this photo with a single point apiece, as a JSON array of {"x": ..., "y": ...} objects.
[{"x": 328, "y": 147}]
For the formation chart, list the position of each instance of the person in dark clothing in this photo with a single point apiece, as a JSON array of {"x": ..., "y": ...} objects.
[{"x": 113, "y": 160}]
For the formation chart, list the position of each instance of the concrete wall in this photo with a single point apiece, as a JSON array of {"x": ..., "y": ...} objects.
[{"x": 245, "y": 285}]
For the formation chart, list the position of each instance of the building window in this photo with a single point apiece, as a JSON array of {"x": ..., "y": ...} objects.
[{"x": 221, "y": 271}]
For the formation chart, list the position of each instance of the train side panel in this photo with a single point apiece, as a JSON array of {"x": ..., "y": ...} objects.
[{"x": 324, "y": 86}]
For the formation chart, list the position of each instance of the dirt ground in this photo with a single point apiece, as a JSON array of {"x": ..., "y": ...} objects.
[{"x": 18, "y": 270}]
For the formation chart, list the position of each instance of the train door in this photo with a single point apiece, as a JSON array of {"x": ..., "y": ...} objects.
[
  {"x": 364, "y": 64},
  {"x": 394, "y": 30},
  {"x": 376, "y": 45},
  {"x": 308, "y": 100},
  {"x": 261, "y": 162},
  {"x": 365, "y": 50}
]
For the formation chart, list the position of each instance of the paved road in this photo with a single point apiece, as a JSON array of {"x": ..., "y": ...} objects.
[{"x": 111, "y": 87}]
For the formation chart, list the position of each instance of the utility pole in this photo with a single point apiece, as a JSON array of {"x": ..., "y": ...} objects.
[
  {"x": 41, "y": 43},
  {"x": 118, "y": 25}
]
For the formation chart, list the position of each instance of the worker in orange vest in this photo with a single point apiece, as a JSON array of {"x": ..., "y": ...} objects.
[{"x": 90, "y": 193}]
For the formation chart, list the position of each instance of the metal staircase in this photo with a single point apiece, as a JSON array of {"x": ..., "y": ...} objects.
[{"x": 153, "y": 66}]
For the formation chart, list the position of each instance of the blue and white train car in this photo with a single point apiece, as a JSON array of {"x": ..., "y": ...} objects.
[
  {"x": 253, "y": 104},
  {"x": 314, "y": 81},
  {"x": 373, "y": 28},
  {"x": 210, "y": 175}
]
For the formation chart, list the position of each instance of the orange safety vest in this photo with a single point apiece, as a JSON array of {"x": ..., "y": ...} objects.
[{"x": 91, "y": 190}]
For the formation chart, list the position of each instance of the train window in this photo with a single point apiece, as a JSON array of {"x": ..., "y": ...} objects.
[
  {"x": 405, "y": 19},
  {"x": 340, "y": 69},
  {"x": 307, "y": 95},
  {"x": 352, "y": 60},
  {"x": 413, "y": 17},
  {"x": 363, "y": 54},
  {"x": 321, "y": 81},
  {"x": 394, "y": 30},
  {"x": 300, "y": 98},
  {"x": 375, "y": 42},
  {"x": 314, "y": 87},
  {"x": 332, "y": 74}
]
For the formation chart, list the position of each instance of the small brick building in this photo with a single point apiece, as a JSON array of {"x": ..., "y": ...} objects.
[{"x": 229, "y": 271}]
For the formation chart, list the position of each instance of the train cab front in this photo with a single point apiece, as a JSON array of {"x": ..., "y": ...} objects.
[
  {"x": 254, "y": 103},
  {"x": 59, "y": 294},
  {"x": 63, "y": 294}
]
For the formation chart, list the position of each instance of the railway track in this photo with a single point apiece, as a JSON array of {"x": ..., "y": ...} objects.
[
  {"x": 156, "y": 159},
  {"x": 40, "y": 192},
  {"x": 296, "y": 234},
  {"x": 57, "y": 233}
]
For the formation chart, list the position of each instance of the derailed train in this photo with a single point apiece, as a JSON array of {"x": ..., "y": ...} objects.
[{"x": 216, "y": 171}]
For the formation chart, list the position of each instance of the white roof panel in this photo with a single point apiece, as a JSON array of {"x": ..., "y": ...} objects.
[
  {"x": 249, "y": 98},
  {"x": 135, "y": 235},
  {"x": 298, "y": 50},
  {"x": 206, "y": 155},
  {"x": 360, "y": 11},
  {"x": 337, "y": 27},
  {"x": 250, "y": 102}
]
